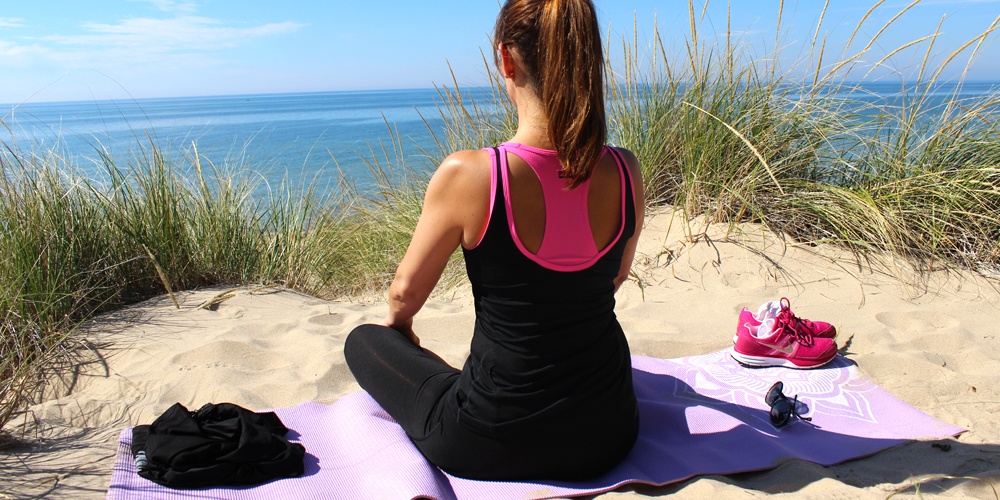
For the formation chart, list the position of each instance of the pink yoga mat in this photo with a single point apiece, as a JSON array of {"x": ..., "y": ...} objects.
[{"x": 699, "y": 415}]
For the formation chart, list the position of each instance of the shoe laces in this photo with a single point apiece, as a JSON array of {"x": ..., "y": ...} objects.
[{"x": 801, "y": 328}]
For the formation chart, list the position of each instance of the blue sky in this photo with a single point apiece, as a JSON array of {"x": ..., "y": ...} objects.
[{"x": 53, "y": 50}]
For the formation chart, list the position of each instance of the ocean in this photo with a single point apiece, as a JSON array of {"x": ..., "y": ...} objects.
[
  {"x": 299, "y": 138},
  {"x": 292, "y": 138}
]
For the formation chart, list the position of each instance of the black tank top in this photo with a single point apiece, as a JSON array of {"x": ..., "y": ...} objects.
[{"x": 547, "y": 346}]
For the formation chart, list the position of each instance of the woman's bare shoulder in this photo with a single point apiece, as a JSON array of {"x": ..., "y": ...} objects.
[
  {"x": 466, "y": 167},
  {"x": 630, "y": 160},
  {"x": 635, "y": 173},
  {"x": 461, "y": 175},
  {"x": 467, "y": 158},
  {"x": 459, "y": 193}
]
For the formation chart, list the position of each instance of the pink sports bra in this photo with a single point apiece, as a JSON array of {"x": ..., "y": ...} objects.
[{"x": 568, "y": 242}]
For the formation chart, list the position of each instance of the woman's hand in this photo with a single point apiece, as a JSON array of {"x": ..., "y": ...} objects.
[{"x": 405, "y": 327}]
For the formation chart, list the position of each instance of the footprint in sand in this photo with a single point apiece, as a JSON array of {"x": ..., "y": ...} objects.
[
  {"x": 235, "y": 312},
  {"x": 648, "y": 333},
  {"x": 327, "y": 319},
  {"x": 225, "y": 353},
  {"x": 648, "y": 319},
  {"x": 346, "y": 314},
  {"x": 354, "y": 307},
  {"x": 917, "y": 321},
  {"x": 739, "y": 280}
]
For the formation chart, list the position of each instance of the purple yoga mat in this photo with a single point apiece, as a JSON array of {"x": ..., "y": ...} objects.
[{"x": 699, "y": 415}]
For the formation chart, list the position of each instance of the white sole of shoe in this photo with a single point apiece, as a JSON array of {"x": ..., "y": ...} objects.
[{"x": 763, "y": 361}]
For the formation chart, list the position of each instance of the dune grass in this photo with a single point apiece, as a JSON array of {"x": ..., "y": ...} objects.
[
  {"x": 721, "y": 133},
  {"x": 735, "y": 137},
  {"x": 72, "y": 247}
]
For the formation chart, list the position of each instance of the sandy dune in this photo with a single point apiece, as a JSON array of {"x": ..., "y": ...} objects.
[{"x": 931, "y": 341}]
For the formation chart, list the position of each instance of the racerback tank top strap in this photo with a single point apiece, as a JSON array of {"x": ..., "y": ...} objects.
[{"x": 568, "y": 241}]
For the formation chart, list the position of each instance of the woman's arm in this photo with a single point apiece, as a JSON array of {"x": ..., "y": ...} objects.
[
  {"x": 453, "y": 209},
  {"x": 640, "y": 215}
]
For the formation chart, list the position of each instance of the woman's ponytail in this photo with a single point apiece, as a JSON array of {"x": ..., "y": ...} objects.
[{"x": 559, "y": 43}]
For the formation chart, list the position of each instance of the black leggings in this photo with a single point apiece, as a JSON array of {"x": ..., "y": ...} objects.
[{"x": 415, "y": 387}]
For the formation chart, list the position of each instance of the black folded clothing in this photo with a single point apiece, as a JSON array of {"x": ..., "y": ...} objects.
[{"x": 218, "y": 445}]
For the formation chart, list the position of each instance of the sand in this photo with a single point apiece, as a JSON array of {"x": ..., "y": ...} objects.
[{"x": 930, "y": 339}]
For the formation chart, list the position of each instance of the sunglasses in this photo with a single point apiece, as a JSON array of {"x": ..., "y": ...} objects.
[{"x": 782, "y": 408}]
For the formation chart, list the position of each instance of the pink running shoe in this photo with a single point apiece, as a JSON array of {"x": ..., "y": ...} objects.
[
  {"x": 773, "y": 309},
  {"x": 787, "y": 344}
]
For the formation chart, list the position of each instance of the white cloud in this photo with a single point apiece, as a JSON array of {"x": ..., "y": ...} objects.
[
  {"x": 10, "y": 51},
  {"x": 132, "y": 51},
  {"x": 11, "y": 22},
  {"x": 160, "y": 36}
]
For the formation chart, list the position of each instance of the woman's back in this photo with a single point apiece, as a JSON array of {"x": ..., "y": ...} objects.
[{"x": 547, "y": 343}]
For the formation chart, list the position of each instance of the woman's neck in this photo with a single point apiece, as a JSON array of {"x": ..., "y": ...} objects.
[
  {"x": 533, "y": 136},
  {"x": 532, "y": 122}
]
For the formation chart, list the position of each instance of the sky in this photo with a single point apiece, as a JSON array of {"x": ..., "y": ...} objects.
[{"x": 58, "y": 50}]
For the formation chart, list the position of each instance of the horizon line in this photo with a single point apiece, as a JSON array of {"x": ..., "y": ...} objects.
[{"x": 379, "y": 90}]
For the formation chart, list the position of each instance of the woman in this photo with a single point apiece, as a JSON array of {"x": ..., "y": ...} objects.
[{"x": 548, "y": 224}]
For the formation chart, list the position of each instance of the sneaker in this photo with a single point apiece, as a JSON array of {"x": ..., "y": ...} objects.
[
  {"x": 767, "y": 310},
  {"x": 773, "y": 308},
  {"x": 785, "y": 343}
]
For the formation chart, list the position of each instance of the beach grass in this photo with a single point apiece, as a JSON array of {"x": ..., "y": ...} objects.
[
  {"x": 723, "y": 135},
  {"x": 734, "y": 137}
]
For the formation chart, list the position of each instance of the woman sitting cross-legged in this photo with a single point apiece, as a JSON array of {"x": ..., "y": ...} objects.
[{"x": 548, "y": 224}]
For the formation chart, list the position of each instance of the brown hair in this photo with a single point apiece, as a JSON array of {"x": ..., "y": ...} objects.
[{"x": 559, "y": 44}]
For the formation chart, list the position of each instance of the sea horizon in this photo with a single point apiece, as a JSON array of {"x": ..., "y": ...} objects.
[
  {"x": 4, "y": 105},
  {"x": 7, "y": 105},
  {"x": 295, "y": 137},
  {"x": 316, "y": 138}
]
